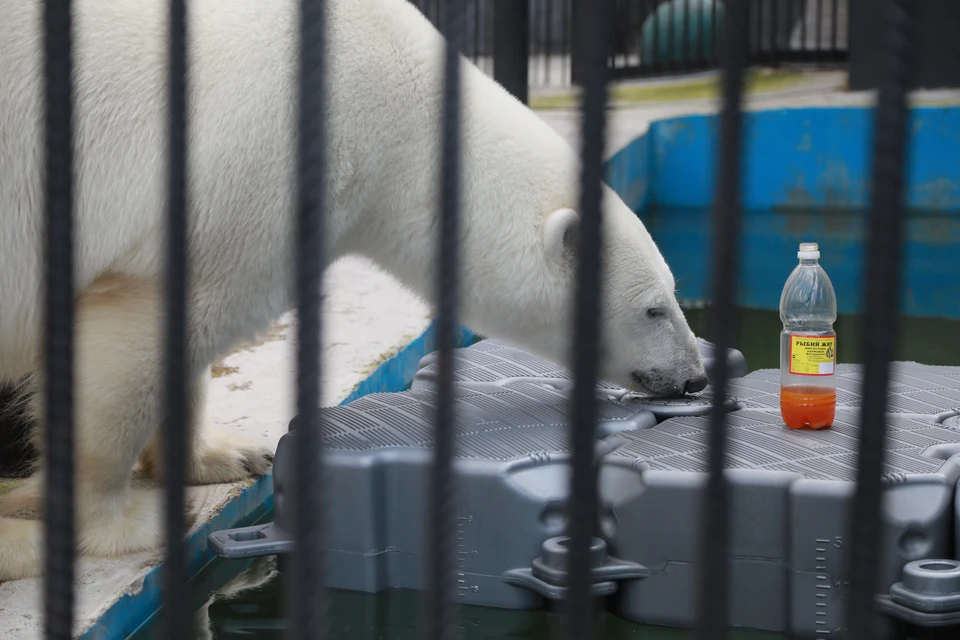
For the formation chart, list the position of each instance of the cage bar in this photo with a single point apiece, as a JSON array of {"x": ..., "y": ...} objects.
[
  {"x": 586, "y": 329},
  {"x": 441, "y": 618},
  {"x": 59, "y": 535},
  {"x": 882, "y": 278},
  {"x": 174, "y": 425},
  {"x": 713, "y": 596},
  {"x": 309, "y": 605}
]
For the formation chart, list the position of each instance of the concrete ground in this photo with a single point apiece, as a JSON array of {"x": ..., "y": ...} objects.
[{"x": 369, "y": 317}]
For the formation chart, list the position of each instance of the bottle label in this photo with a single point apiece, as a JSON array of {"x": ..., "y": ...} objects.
[{"x": 812, "y": 355}]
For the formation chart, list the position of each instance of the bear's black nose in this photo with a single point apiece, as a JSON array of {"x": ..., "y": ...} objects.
[{"x": 696, "y": 384}]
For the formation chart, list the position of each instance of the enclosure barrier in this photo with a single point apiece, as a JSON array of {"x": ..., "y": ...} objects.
[
  {"x": 307, "y": 585},
  {"x": 540, "y": 39},
  {"x": 655, "y": 37}
]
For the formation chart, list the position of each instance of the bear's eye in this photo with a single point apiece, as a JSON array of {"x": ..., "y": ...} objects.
[{"x": 656, "y": 312}]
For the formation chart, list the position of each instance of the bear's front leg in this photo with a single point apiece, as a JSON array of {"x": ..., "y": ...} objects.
[
  {"x": 117, "y": 378},
  {"x": 216, "y": 456}
]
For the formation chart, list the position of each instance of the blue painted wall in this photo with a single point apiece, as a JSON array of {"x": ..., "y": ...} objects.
[
  {"x": 806, "y": 178},
  {"x": 803, "y": 158}
]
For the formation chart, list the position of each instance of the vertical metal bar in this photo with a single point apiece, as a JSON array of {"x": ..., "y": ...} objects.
[
  {"x": 714, "y": 544},
  {"x": 476, "y": 30},
  {"x": 441, "y": 621},
  {"x": 881, "y": 313},
  {"x": 577, "y": 10},
  {"x": 565, "y": 47},
  {"x": 309, "y": 603},
  {"x": 670, "y": 63},
  {"x": 58, "y": 321},
  {"x": 756, "y": 43},
  {"x": 586, "y": 330},
  {"x": 835, "y": 10},
  {"x": 511, "y": 46},
  {"x": 774, "y": 30},
  {"x": 536, "y": 35},
  {"x": 549, "y": 47},
  {"x": 490, "y": 30},
  {"x": 624, "y": 21},
  {"x": 803, "y": 25},
  {"x": 175, "y": 601},
  {"x": 715, "y": 53},
  {"x": 613, "y": 34},
  {"x": 686, "y": 61},
  {"x": 701, "y": 30},
  {"x": 771, "y": 27},
  {"x": 819, "y": 45},
  {"x": 656, "y": 34}
]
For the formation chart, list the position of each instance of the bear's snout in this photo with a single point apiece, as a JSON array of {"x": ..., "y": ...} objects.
[
  {"x": 696, "y": 384},
  {"x": 659, "y": 383}
]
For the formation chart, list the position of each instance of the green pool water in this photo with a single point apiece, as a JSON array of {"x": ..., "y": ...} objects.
[
  {"x": 932, "y": 341},
  {"x": 250, "y": 606}
]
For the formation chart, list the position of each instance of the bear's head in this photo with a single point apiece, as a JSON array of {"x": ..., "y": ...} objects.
[{"x": 647, "y": 344}]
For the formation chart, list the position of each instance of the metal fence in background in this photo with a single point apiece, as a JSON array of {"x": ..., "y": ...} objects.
[
  {"x": 650, "y": 37},
  {"x": 309, "y": 614}
]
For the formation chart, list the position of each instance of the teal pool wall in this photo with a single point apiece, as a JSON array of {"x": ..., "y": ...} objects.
[{"x": 806, "y": 177}]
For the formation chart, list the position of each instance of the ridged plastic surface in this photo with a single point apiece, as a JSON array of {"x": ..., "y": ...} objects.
[
  {"x": 790, "y": 490},
  {"x": 505, "y": 422},
  {"x": 495, "y": 361},
  {"x": 914, "y": 389},
  {"x": 498, "y": 363},
  {"x": 756, "y": 440},
  {"x": 512, "y": 455}
]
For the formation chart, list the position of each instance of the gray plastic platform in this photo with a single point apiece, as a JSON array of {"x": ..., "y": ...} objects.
[
  {"x": 512, "y": 455},
  {"x": 790, "y": 492},
  {"x": 497, "y": 362}
]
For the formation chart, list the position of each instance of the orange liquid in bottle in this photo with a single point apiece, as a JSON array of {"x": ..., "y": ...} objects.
[{"x": 805, "y": 406}]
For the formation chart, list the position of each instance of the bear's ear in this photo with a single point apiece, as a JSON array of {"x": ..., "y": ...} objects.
[{"x": 561, "y": 234}]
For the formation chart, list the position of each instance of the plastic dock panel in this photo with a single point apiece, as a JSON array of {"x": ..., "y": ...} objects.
[
  {"x": 512, "y": 458},
  {"x": 790, "y": 491},
  {"x": 497, "y": 362}
]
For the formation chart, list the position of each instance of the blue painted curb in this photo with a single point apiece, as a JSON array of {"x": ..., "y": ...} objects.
[{"x": 127, "y": 614}]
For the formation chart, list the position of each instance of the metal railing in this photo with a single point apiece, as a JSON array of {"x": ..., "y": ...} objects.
[
  {"x": 309, "y": 612},
  {"x": 651, "y": 37},
  {"x": 688, "y": 34}
]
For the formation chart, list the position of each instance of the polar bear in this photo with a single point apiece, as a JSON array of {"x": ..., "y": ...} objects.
[{"x": 520, "y": 185}]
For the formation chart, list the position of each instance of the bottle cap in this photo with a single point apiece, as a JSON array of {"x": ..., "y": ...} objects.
[{"x": 808, "y": 250}]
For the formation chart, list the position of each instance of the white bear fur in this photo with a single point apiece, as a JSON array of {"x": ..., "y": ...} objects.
[{"x": 520, "y": 188}]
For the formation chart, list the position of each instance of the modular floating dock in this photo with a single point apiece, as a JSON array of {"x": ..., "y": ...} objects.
[{"x": 791, "y": 492}]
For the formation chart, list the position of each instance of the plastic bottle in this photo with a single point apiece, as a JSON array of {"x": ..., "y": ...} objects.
[{"x": 808, "y": 344}]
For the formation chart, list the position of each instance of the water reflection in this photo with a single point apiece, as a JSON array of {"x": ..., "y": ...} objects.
[{"x": 251, "y": 607}]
